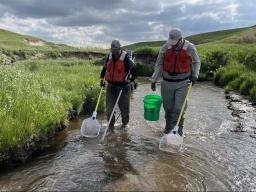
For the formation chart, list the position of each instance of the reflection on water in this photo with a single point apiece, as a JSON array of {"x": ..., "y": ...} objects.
[
  {"x": 115, "y": 157},
  {"x": 214, "y": 157}
]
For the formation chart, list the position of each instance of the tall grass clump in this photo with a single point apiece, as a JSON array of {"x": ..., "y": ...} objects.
[
  {"x": 25, "y": 109},
  {"x": 250, "y": 60},
  {"x": 248, "y": 83},
  {"x": 35, "y": 96},
  {"x": 146, "y": 51},
  {"x": 237, "y": 77},
  {"x": 253, "y": 93},
  {"x": 144, "y": 69},
  {"x": 227, "y": 74},
  {"x": 213, "y": 60}
]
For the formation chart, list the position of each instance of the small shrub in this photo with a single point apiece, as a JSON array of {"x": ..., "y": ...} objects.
[
  {"x": 247, "y": 85},
  {"x": 235, "y": 84},
  {"x": 229, "y": 73},
  {"x": 218, "y": 75},
  {"x": 54, "y": 54},
  {"x": 227, "y": 89},
  {"x": 253, "y": 94},
  {"x": 21, "y": 53},
  {"x": 216, "y": 59},
  {"x": 32, "y": 66},
  {"x": 146, "y": 50},
  {"x": 202, "y": 77},
  {"x": 99, "y": 62},
  {"x": 250, "y": 60},
  {"x": 247, "y": 39},
  {"x": 144, "y": 70}
]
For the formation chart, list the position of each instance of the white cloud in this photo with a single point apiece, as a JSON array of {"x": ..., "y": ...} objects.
[
  {"x": 75, "y": 36},
  {"x": 231, "y": 10}
]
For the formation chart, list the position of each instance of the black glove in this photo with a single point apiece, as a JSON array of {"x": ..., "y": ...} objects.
[
  {"x": 125, "y": 86},
  {"x": 153, "y": 86},
  {"x": 193, "y": 79},
  {"x": 102, "y": 83},
  {"x": 135, "y": 85}
]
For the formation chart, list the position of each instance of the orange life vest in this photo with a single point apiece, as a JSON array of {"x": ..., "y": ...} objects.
[
  {"x": 177, "y": 62},
  {"x": 115, "y": 72}
]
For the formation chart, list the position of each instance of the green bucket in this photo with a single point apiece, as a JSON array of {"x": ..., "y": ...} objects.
[{"x": 152, "y": 105}]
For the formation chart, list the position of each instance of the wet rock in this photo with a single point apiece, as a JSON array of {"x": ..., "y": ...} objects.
[
  {"x": 253, "y": 136},
  {"x": 237, "y": 113},
  {"x": 235, "y": 98},
  {"x": 51, "y": 133},
  {"x": 72, "y": 114},
  {"x": 239, "y": 128},
  {"x": 243, "y": 112},
  {"x": 227, "y": 96},
  {"x": 60, "y": 127}
]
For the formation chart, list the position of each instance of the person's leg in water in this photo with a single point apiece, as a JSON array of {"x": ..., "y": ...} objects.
[
  {"x": 124, "y": 105},
  {"x": 168, "y": 94},
  {"x": 180, "y": 95},
  {"x": 110, "y": 103}
]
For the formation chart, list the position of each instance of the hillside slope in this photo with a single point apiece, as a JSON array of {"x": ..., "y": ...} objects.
[
  {"x": 11, "y": 40},
  {"x": 240, "y": 35},
  {"x": 14, "y": 47}
]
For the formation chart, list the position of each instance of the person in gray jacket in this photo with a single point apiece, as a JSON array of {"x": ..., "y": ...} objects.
[{"x": 178, "y": 64}]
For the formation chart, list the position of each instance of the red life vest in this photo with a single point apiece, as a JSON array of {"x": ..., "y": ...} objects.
[
  {"x": 115, "y": 72},
  {"x": 177, "y": 62}
]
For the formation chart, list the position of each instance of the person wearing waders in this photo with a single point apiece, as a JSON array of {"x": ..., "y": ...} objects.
[
  {"x": 178, "y": 64},
  {"x": 117, "y": 65}
]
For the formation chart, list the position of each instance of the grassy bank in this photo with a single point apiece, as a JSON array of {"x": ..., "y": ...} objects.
[
  {"x": 233, "y": 64},
  {"x": 37, "y": 95},
  {"x": 237, "y": 77}
]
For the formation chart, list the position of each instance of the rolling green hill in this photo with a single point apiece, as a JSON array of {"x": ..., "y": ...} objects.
[
  {"x": 14, "y": 47},
  {"x": 240, "y": 35},
  {"x": 10, "y": 40},
  {"x": 230, "y": 36}
]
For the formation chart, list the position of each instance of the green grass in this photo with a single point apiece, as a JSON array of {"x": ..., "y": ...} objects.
[
  {"x": 144, "y": 69},
  {"x": 153, "y": 51},
  {"x": 37, "y": 95},
  {"x": 236, "y": 76},
  {"x": 234, "y": 64}
]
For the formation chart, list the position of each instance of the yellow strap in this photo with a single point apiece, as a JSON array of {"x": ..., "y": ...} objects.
[
  {"x": 97, "y": 105},
  {"x": 183, "y": 105}
]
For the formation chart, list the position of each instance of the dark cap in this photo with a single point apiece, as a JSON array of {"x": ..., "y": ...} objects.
[{"x": 115, "y": 45}]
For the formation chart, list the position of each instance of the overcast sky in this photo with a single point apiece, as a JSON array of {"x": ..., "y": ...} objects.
[{"x": 93, "y": 23}]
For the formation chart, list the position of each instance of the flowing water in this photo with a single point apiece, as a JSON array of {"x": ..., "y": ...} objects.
[{"x": 215, "y": 157}]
